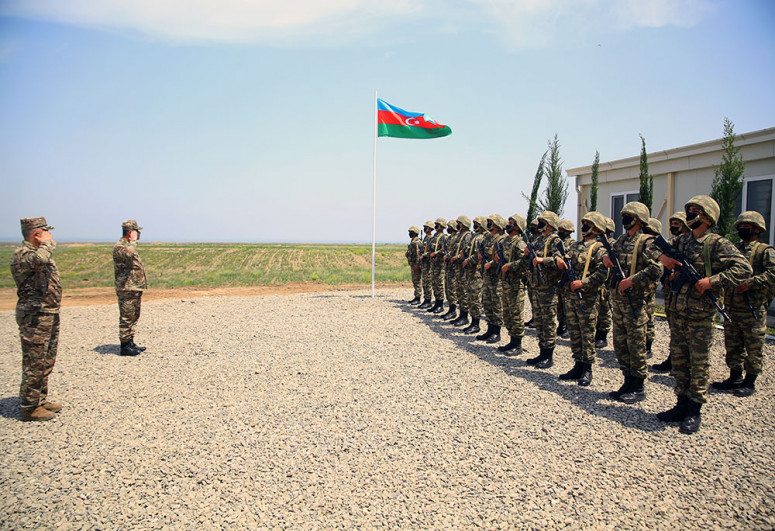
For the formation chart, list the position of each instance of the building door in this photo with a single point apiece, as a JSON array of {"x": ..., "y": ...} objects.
[
  {"x": 617, "y": 204},
  {"x": 758, "y": 196}
]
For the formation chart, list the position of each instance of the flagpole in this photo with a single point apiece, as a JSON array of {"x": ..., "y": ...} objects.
[{"x": 374, "y": 201}]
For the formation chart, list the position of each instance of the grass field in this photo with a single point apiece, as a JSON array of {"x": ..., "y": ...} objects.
[{"x": 173, "y": 265}]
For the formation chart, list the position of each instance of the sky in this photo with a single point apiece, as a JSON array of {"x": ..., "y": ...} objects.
[{"x": 253, "y": 121}]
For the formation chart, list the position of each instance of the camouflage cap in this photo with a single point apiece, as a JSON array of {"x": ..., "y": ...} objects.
[
  {"x": 679, "y": 216},
  {"x": 29, "y": 224},
  {"x": 566, "y": 225},
  {"x": 550, "y": 218},
  {"x": 414, "y": 229},
  {"x": 498, "y": 220},
  {"x": 752, "y": 217},
  {"x": 452, "y": 224},
  {"x": 637, "y": 210},
  {"x": 131, "y": 224},
  {"x": 441, "y": 221},
  {"x": 520, "y": 221},
  {"x": 596, "y": 219},
  {"x": 707, "y": 204},
  {"x": 428, "y": 224},
  {"x": 610, "y": 225},
  {"x": 464, "y": 221},
  {"x": 655, "y": 226},
  {"x": 481, "y": 221}
]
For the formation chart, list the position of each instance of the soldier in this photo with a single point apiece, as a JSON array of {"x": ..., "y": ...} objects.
[
  {"x": 450, "y": 278},
  {"x": 130, "y": 283},
  {"x": 37, "y": 314},
  {"x": 436, "y": 245},
  {"x": 604, "y": 302},
  {"x": 630, "y": 314},
  {"x": 425, "y": 267},
  {"x": 652, "y": 228},
  {"x": 474, "y": 276},
  {"x": 586, "y": 257},
  {"x": 413, "y": 253},
  {"x": 544, "y": 293},
  {"x": 513, "y": 284},
  {"x": 677, "y": 227},
  {"x": 463, "y": 243},
  {"x": 747, "y": 305},
  {"x": 532, "y": 234},
  {"x": 491, "y": 286},
  {"x": 566, "y": 228},
  {"x": 691, "y": 315}
]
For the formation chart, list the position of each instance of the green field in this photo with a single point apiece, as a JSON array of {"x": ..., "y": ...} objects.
[{"x": 176, "y": 265}]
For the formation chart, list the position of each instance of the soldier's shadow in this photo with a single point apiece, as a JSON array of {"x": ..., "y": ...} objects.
[
  {"x": 10, "y": 407},
  {"x": 593, "y": 402},
  {"x": 107, "y": 349}
]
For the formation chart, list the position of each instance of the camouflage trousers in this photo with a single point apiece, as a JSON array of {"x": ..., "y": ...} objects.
[
  {"x": 545, "y": 314},
  {"x": 582, "y": 325},
  {"x": 450, "y": 284},
  {"x": 491, "y": 299},
  {"x": 513, "y": 301},
  {"x": 561, "y": 306},
  {"x": 416, "y": 281},
  {"x": 462, "y": 292},
  {"x": 437, "y": 280},
  {"x": 691, "y": 336},
  {"x": 427, "y": 290},
  {"x": 39, "y": 334},
  {"x": 474, "y": 291},
  {"x": 603, "y": 312},
  {"x": 651, "y": 305},
  {"x": 630, "y": 334},
  {"x": 744, "y": 340},
  {"x": 128, "y": 314}
]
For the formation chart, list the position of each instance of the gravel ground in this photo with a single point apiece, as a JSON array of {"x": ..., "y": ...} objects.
[{"x": 338, "y": 411}]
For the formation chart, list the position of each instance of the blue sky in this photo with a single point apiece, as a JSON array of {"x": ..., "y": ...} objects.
[{"x": 253, "y": 121}]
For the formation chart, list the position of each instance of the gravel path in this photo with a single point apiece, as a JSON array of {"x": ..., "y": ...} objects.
[{"x": 339, "y": 411}]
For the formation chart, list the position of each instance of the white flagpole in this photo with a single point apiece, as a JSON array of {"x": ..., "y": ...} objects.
[{"x": 374, "y": 201}]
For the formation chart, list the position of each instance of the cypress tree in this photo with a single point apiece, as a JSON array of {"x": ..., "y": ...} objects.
[
  {"x": 556, "y": 184},
  {"x": 533, "y": 199},
  {"x": 728, "y": 183},
  {"x": 593, "y": 190},
  {"x": 646, "y": 180}
]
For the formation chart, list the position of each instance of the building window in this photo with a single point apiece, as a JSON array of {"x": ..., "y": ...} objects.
[
  {"x": 758, "y": 196},
  {"x": 617, "y": 204}
]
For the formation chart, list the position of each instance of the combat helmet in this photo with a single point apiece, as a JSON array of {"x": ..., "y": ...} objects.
[
  {"x": 414, "y": 229},
  {"x": 497, "y": 220},
  {"x": 610, "y": 225},
  {"x": 452, "y": 224},
  {"x": 707, "y": 204},
  {"x": 428, "y": 224},
  {"x": 679, "y": 216},
  {"x": 464, "y": 221},
  {"x": 520, "y": 222},
  {"x": 551, "y": 219},
  {"x": 442, "y": 222},
  {"x": 654, "y": 226},
  {"x": 637, "y": 210},
  {"x": 481, "y": 221},
  {"x": 752, "y": 217},
  {"x": 566, "y": 225},
  {"x": 596, "y": 219}
]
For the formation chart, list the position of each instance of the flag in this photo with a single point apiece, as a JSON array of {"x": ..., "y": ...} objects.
[{"x": 398, "y": 123}]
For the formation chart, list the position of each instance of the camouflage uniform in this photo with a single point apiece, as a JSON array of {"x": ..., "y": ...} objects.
[
  {"x": 491, "y": 286},
  {"x": 130, "y": 283},
  {"x": 37, "y": 314},
  {"x": 604, "y": 302},
  {"x": 413, "y": 252},
  {"x": 513, "y": 285},
  {"x": 436, "y": 245},
  {"x": 566, "y": 226},
  {"x": 425, "y": 267},
  {"x": 450, "y": 278},
  {"x": 461, "y": 247},
  {"x": 474, "y": 278}
]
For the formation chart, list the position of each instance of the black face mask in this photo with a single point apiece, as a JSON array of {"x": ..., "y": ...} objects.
[
  {"x": 627, "y": 221},
  {"x": 510, "y": 229},
  {"x": 693, "y": 220},
  {"x": 489, "y": 225},
  {"x": 675, "y": 231},
  {"x": 541, "y": 225},
  {"x": 585, "y": 228},
  {"x": 562, "y": 234},
  {"x": 744, "y": 233}
]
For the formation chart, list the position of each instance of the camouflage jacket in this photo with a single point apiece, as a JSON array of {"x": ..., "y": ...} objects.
[
  {"x": 436, "y": 245},
  {"x": 589, "y": 252},
  {"x": 130, "y": 274},
  {"x": 413, "y": 251},
  {"x": 762, "y": 284},
  {"x": 489, "y": 252},
  {"x": 472, "y": 253},
  {"x": 728, "y": 268},
  {"x": 37, "y": 278},
  {"x": 450, "y": 244},
  {"x": 545, "y": 247},
  {"x": 426, "y": 250},
  {"x": 639, "y": 263},
  {"x": 513, "y": 251},
  {"x": 462, "y": 246}
]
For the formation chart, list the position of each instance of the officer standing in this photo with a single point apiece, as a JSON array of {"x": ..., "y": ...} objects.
[
  {"x": 130, "y": 283},
  {"x": 474, "y": 276},
  {"x": 436, "y": 244},
  {"x": 747, "y": 305},
  {"x": 413, "y": 253},
  {"x": 513, "y": 284},
  {"x": 37, "y": 314},
  {"x": 462, "y": 245},
  {"x": 691, "y": 316},
  {"x": 425, "y": 266}
]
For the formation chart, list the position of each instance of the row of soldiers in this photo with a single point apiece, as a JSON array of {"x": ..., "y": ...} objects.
[{"x": 597, "y": 283}]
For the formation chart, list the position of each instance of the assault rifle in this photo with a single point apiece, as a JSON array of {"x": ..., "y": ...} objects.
[
  {"x": 569, "y": 275},
  {"x": 533, "y": 256},
  {"x": 687, "y": 272},
  {"x": 484, "y": 272},
  {"x": 618, "y": 270},
  {"x": 747, "y": 299},
  {"x": 502, "y": 259}
]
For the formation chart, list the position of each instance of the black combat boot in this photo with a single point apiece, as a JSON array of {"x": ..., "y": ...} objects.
[
  {"x": 473, "y": 328},
  {"x": 562, "y": 329},
  {"x": 747, "y": 388},
  {"x": 649, "y": 342},
  {"x": 691, "y": 422},
  {"x": 451, "y": 314},
  {"x": 623, "y": 389},
  {"x": 601, "y": 339},
  {"x": 574, "y": 373},
  {"x": 734, "y": 381},
  {"x": 586, "y": 374},
  {"x": 496, "y": 335},
  {"x": 136, "y": 347},
  {"x": 462, "y": 319},
  {"x": 540, "y": 357},
  {"x": 529, "y": 324},
  {"x": 486, "y": 335},
  {"x": 510, "y": 348},
  {"x": 425, "y": 304},
  {"x": 665, "y": 366},
  {"x": 547, "y": 361},
  {"x": 677, "y": 413},
  {"x": 439, "y": 307},
  {"x": 127, "y": 350},
  {"x": 434, "y": 306},
  {"x": 635, "y": 393},
  {"x": 414, "y": 301}
]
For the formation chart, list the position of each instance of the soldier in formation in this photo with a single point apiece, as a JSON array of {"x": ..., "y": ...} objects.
[
  {"x": 425, "y": 267},
  {"x": 474, "y": 275},
  {"x": 564, "y": 231},
  {"x": 413, "y": 254},
  {"x": 513, "y": 284},
  {"x": 604, "y": 306},
  {"x": 130, "y": 283},
  {"x": 450, "y": 278},
  {"x": 457, "y": 258},
  {"x": 436, "y": 256},
  {"x": 491, "y": 286}
]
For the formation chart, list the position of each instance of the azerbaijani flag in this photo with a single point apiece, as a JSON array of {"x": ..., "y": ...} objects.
[{"x": 398, "y": 123}]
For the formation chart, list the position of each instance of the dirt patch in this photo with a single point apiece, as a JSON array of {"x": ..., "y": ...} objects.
[{"x": 96, "y": 296}]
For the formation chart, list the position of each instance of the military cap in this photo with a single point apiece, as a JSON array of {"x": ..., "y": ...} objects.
[
  {"x": 131, "y": 224},
  {"x": 441, "y": 221},
  {"x": 464, "y": 221},
  {"x": 752, "y": 217},
  {"x": 428, "y": 224},
  {"x": 452, "y": 224},
  {"x": 520, "y": 221},
  {"x": 707, "y": 204},
  {"x": 610, "y": 225},
  {"x": 481, "y": 220},
  {"x": 655, "y": 226},
  {"x": 29, "y": 224},
  {"x": 680, "y": 216},
  {"x": 566, "y": 225},
  {"x": 550, "y": 218},
  {"x": 637, "y": 210},
  {"x": 414, "y": 229},
  {"x": 498, "y": 220},
  {"x": 596, "y": 219}
]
